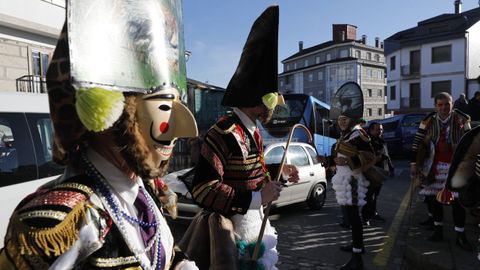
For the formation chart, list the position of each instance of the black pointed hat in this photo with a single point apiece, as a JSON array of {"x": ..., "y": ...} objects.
[
  {"x": 347, "y": 101},
  {"x": 257, "y": 71}
]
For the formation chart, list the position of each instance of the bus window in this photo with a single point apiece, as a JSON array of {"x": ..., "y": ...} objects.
[
  {"x": 293, "y": 109},
  {"x": 299, "y": 109},
  {"x": 283, "y": 118},
  {"x": 321, "y": 115},
  {"x": 17, "y": 156}
]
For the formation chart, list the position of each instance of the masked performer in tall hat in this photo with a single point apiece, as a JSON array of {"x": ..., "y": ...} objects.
[
  {"x": 432, "y": 150},
  {"x": 231, "y": 179},
  {"x": 353, "y": 154},
  {"x": 114, "y": 84},
  {"x": 464, "y": 174}
]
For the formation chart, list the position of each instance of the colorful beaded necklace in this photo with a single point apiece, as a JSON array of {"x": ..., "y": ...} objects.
[{"x": 119, "y": 216}]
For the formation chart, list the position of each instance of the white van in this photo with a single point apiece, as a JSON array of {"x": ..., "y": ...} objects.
[{"x": 26, "y": 139}]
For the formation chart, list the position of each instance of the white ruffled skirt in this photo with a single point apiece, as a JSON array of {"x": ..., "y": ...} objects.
[
  {"x": 247, "y": 228},
  {"x": 441, "y": 175},
  {"x": 350, "y": 186}
]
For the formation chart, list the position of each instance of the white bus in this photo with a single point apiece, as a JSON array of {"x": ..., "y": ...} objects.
[{"x": 26, "y": 139}]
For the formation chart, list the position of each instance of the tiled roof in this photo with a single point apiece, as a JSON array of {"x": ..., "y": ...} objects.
[
  {"x": 441, "y": 27},
  {"x": 201, "y": 85},
  {"x": 316, "y": 48}
]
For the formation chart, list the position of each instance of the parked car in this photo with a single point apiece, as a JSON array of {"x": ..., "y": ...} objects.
[
  {"x": 311, "y": 188},
  {"x": 399, "y": 132},
  {"x": 26, "y": 138}
]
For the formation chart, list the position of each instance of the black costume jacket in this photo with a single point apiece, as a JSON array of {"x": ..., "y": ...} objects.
[{"x": 230, "y": 167}]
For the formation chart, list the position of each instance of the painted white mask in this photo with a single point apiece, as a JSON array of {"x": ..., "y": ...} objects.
[{"x": 162, "y": 119}]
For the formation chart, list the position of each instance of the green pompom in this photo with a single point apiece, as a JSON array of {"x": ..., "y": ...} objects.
[
  {"x": 98, "y": 108},
  {"x": 245, "y": 252}
]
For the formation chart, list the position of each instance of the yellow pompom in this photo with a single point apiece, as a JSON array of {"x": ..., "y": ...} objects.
[
  {"x": 98, "y": 108},
  {"x": 270, "y": 100}
]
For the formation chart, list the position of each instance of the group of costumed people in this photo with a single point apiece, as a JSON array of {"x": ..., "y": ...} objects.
[{"x": 115, "y": 84}]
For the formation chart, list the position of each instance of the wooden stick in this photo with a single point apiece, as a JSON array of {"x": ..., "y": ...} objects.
[{"x": 277, "y": 178}]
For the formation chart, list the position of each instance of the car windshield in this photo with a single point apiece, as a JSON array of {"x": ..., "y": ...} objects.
[{"x": 412, "y": 121}]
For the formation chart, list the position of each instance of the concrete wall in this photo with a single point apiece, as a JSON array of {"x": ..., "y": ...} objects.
[
  {"x": 35, "y": 16},
  {"x": 16, "y": 61},
  {"x": 473, "y": 45},
  {"x": 26, "y": 26},
  {"x": 456, "y": 65}
]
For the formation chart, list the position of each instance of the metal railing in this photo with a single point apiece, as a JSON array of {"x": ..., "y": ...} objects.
[
  {"x": 32, "y": 84},
  {"x": 410, "y": 70}
]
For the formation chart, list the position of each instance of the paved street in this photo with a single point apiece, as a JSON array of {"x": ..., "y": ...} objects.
[{"x": 310, "y": 239}]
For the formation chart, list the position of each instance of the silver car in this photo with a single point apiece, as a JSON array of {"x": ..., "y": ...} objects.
[{"x": 311, "y": 188}]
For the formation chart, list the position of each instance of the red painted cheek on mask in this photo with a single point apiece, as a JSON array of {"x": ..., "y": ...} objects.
[{"x": 163, "y": 127}]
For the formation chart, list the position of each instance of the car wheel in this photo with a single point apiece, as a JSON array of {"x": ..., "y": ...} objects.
[{"x": 316, "y": 200}]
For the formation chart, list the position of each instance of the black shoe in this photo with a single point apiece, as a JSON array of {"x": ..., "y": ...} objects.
[
  {"x": 462, "y": 242},
  {"x": 427, "y": 222},
  {"x": 437, "y": 234},
  {"x": 378, "y": 218},
  {"x": 349, "y": 248},
  {"x": 366, "y": 223},
  {"x": 355, "y": 263}
]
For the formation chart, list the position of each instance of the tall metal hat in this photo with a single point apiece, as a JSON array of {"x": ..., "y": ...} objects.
[
  {"x": 108, "y": 48},
  {"x": 347, "y": 101},
  {"x": 465, "y": 168},
  {"x": 256, "y": 75}
]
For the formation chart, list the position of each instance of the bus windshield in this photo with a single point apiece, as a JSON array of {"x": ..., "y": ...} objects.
[
  {"x": 299, "y": 109},
  {"x": 284, "y": 117}
]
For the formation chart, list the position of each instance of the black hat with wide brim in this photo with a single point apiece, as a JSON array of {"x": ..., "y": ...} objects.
[
  {"x": 347, "y": 101},
  {"x": 257, "y": 71},
  {"x": 462, "y": 169}
]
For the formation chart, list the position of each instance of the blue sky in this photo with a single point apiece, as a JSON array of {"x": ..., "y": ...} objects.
[{"x": 216, "y": 30}]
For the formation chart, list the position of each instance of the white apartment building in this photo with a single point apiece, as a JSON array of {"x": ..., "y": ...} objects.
[
  {"x": 28, "y": 34},
  {"x": 439, "y": 55}
]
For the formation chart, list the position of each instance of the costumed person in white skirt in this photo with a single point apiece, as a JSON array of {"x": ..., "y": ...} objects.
[
  {"x": 432, "y": 151},
  {"x": 352, "y": 155},
  {"x": 232, "y": 181},
  {"x": 114, "y": 86}
]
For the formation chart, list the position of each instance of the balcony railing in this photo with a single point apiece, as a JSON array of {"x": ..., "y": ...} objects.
[
  {"x": 409, "y": 70},
  {"x": 32, "y": 84}
]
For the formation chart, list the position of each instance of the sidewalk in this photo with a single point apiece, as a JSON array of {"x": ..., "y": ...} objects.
[{"x": 423, "y": 254}]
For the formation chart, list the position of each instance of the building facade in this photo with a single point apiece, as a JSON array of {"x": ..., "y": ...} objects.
[
  {"x": 440, "y": 54},
  {"x": 29, "y": 31},
  {"x": 320, "y": 70}
]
